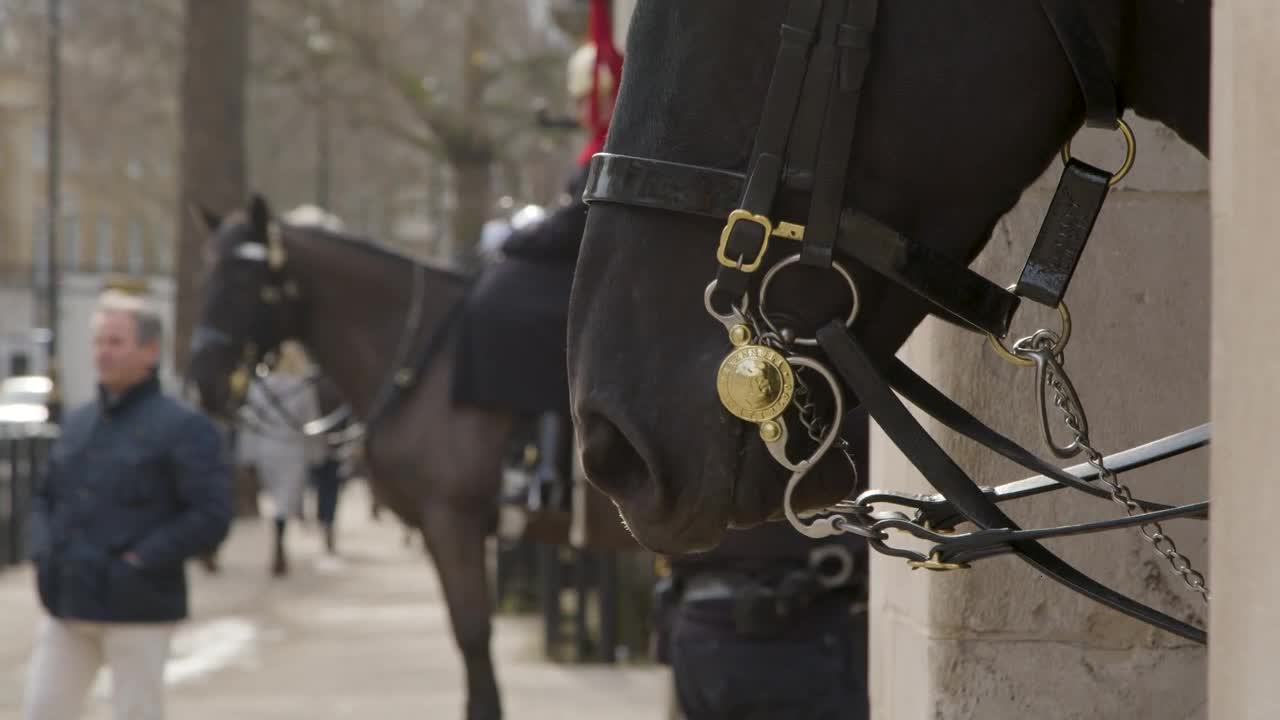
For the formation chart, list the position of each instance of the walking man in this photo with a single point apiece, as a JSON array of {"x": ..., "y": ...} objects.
[{"x": 136, "y": 484}]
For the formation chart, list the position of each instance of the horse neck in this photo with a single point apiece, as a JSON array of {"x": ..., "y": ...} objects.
[
  {"x": 1165, "y": 66},
  {"x": 357, "y": 303}
]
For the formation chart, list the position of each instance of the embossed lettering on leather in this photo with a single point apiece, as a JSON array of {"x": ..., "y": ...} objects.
[{"x": 1063, "y": 235}]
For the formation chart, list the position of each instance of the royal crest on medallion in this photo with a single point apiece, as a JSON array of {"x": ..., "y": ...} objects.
[{"x": 755, "y": 383}]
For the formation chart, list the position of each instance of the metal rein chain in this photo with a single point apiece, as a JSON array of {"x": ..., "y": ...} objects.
[
  {"x": 807, "y": 410},
  {"x": 1042, "y": 348}
]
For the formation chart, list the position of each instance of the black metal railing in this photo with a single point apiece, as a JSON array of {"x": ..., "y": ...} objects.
[{"x": 24, "y": 450}]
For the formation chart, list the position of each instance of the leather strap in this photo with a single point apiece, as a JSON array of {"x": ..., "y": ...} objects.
[
  {"x": 406, "y": 374},
  {"x": 958, "y": 293},
  {"x": 1067, "y": 225},
  {"x": 806, "y": 132},
  {"x": 851, "y": 47},
  {"x": 1088, "y": 61},
  {"x": 662, "y": 185},
  {"x": 746, "y": 240},
  {"x": 868, "y": 383},
  {"x": 938, "y": 512},
  {"x": 980, "y": 544},
  {"x": 924, "y": 395}
]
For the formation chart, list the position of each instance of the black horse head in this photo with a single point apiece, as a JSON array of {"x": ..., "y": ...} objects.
[
  {"x": 964, "y": 104},
  {"x": 248, "y": 309}
]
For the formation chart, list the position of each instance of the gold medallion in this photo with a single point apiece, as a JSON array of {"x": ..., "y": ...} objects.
[{"x": 755, "y": 383}]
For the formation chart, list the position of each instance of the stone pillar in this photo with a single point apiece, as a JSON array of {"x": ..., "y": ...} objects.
[
  {"x": 1000, "y": 641},
  {"x": 1246, "y": 360}
]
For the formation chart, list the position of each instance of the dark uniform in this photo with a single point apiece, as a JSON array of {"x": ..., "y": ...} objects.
[
  {"x": 513, "y": 344},
  {"x": 770, "y": 624},
  {"x": 522, "y": 302},
  {"x": 558, "y": 237},
  {"x": 554, "y": 244},
  {"x": 757, "y": 635}
]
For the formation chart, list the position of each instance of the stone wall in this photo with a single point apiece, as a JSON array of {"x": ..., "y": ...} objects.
[{"x": 1000, "y": 641}]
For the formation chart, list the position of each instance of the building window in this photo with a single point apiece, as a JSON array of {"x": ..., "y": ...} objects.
[
  {"x": 137, "y": 247},
  {"x": 71, "y": 242},
  {"x": 106, "y": 240}
]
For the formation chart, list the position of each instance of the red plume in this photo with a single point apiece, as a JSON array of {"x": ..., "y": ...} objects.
[{"x": 600, "y": 29}]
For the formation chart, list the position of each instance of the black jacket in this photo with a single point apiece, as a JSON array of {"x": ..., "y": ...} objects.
[
  {"x": 142, "y": 474},
  {"x": 558, "y": 237}
]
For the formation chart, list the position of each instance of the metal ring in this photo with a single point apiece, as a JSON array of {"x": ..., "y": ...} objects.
[
  {"x": 738, "y": 315},
  {"x": 1131, "y": 152},
  {"x": 786, "y": 262},
  {"x": 1065, "y": 335}
]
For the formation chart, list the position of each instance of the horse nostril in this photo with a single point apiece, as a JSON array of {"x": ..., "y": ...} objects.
[{"x": 609, "y": 458}]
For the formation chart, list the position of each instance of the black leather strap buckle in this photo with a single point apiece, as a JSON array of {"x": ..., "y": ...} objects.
[{"x": 741, "y": 263}]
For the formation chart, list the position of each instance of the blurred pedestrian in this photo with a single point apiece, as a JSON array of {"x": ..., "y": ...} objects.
[
  {"x": 136, "y": 484},
  {"x": 282, "y": 402},
  {"x": 330, "y": 472}
]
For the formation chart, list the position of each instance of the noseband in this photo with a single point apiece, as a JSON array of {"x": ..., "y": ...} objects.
[{"x": 803, "y": 144}]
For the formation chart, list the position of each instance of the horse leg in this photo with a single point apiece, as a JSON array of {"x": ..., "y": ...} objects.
[
  {"x": 280, "y": 564},
  {"x": 455, "y": 536}
]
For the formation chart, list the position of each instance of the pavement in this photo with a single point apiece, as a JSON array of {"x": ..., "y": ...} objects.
[{"x": 365, "y": 635}]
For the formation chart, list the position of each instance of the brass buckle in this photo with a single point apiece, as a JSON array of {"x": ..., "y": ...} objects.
[
  {"x": 936, "y": 564},
  {"x": 736, "y": 217}
]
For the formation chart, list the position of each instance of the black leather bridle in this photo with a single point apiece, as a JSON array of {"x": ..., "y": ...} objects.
[
  {"x": 803, "y": 144},
  {"x": 277, "y": 315},
  {"x": 273, "y": 317}
]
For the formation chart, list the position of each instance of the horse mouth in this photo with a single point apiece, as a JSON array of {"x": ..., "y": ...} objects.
[{"x": 662, "y": 514}]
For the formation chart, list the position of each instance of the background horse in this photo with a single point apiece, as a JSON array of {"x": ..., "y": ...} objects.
[
  {"x": 377, "y": 324},
  {"x": 964, "y": 104}
]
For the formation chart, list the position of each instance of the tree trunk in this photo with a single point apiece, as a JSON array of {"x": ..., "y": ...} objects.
[
  {"x": 212, "y": 144},
  {"x": 471, "y": 150},
  {"x": 473, "y": 182}
]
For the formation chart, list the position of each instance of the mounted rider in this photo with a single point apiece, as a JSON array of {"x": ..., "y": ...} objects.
[{"x": 512, "y": 349}]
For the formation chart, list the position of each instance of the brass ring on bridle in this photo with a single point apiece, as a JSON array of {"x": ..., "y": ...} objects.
[
  {"x": 1130, "y": 153},
  {"x": 1017, "y": 359}
]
